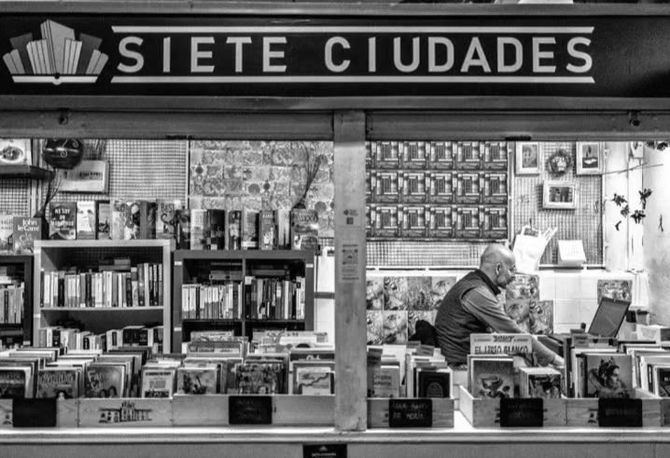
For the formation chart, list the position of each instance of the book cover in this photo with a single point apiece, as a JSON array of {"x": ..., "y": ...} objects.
[
  {"x": 6, "y": 231},
  {"x": 500, "y": 344},
  {"x": 385, "y": 382},
  {"x": 249, "y": 229},
  {"x": 259, "y": 377},
  {"x": 267, "y": 232},
  {"x": 58, "y": 382},
  {"x": 615, "y": 289},
  {"x": 14, "y": 382},
  {"x": 544, "y": 385},
  {"x": 157, "y": 383},
  {"x": 197, "y": 380},
  {"x": 125, "y": 220},
  {"x": 148, "y": 219},
  {"x": 234, "y": 237},
  {"x": 608, "y": 375},
  {"x": 314, "y": 381},
  {"x": 104, "y": 380},
  {"x": 304, "y": 229},
  {"x": 104, "y": 219},
  {"x": 198, "y": 217},
  {"x": 491, "y": 377},
  {"x": 215, "y": 232},
  {"x": 374, "y": 293},
  {"x": 434, "y": 383},
  {"x": 25, "y": 232},
  {"x": 63, "y": 221},
  {"x": 86, "y": 220},
  {"x": 167, "y": 218}
]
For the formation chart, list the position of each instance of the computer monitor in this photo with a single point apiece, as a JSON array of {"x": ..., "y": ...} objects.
[{"x": 608, "y": 318}]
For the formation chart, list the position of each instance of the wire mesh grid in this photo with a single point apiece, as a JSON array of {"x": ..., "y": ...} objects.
[
  {"x": 140, "y": 169},
  {"x": 15, "y": 196},
  {"x": 582, "y": 223},
  {"x": 402, "y": 253}
]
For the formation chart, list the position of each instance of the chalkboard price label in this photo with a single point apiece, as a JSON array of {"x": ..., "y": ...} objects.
[
  {"x": 34, "y": 413},
  {"x": 410, "y": 413},
  {"x": 250, "y": 410},
  {"x": 521, "y": 412},
  {"x": 324, "y": 451},
  {"x": 620, "y": 412}
]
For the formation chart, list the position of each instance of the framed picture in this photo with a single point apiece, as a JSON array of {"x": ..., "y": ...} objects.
[
  {"x": 15, "y": 151},
  {"x": 527, "y": 158},
  {"x": 559, "y": 195},
  {"x": 589, "y": 158},
  {"x": 87, "y": 176}
]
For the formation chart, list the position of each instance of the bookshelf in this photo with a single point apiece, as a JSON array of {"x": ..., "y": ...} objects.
[
  {"x": 23, "y": 331},
  {"x": 195, "y": 266},
  {"x": 84, "y": 255}
]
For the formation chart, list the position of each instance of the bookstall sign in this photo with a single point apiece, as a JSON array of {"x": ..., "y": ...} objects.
[
  {"x": 410, "y": 413},
  {"x": 250, "y": 410},
  {"x": 324, "y": 451},
  {"x": 34, "y": 413},
  {"x": 521, "y": 412},
  {"x": 619, "y": 412},
  {"x": 339, "y": 56}
]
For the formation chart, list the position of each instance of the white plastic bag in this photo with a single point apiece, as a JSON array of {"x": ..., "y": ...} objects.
[{"x": 529, "y": 246}]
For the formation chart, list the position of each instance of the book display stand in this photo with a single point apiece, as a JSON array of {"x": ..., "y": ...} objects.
[
  {"x": 248, "y": 304},
  {"x": 22, "y": 331},
  {"x": 86, "y": 255}
]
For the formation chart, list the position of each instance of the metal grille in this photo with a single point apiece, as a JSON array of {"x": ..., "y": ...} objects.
[
  {"x": 583, "y": 223},
  {"x": 140, "y": 169},
  {"x": 402, "y": 253},
  {"x": 15, "y": 196}
]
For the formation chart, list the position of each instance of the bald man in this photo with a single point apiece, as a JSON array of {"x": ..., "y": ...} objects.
[{"x": 471, "y": 306}]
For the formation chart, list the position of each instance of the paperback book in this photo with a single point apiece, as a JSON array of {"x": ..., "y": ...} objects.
[
  {"x": 63, "y": 221},
  {"x": 105, "y": 380},
  {"x": 86, "y": 220},
  {"x": 26, "y": 231},
  {"x": 304, "y": 229},
  {"x": 491, "y": 377},
  {"x": 58, "y": 382}
]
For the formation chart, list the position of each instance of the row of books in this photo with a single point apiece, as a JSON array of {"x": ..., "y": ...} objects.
[
  {"x": 614, "y": 369},
  {"x": 391, "y": 186},
  {"x": 411, "y": 371},
  {"x": 53, "y": 372},
  {"x": 196, "y": 229},
  {"x": 11, "y": 303},
  {"x": 438, "y": 155},
  {"x": 257, "y": 298},
  {"x": 140, "y": 286},
  {"x": 75, "y": 339}
]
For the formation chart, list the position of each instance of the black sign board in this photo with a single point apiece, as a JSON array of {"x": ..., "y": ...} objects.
[
  {"x": 620, "y": 412},
  {"x": 324, "y": 451},
  {"x": 521, "y": 412},
  {"x": 410, "y": 413},
  {"x": 321, "y": 56},
  {"x": 34, "y": 413},
  {"x": 250, "y": 410}
]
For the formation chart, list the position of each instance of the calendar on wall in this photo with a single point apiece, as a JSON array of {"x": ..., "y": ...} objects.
[{"x": 437, "y": 190}]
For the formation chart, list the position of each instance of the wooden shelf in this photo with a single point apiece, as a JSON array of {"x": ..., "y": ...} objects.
[
  {"x": 249, "y": 255},
  {"x": 99, "y": 309},
  {"x": 111, "y": 244},
  {"x": 25, "y": 171}
]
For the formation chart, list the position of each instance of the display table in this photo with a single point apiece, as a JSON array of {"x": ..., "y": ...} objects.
[{"x": 461, "y": 441}]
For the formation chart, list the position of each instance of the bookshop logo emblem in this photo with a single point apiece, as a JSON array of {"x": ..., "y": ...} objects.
[{"x": 55, "y": 58}]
